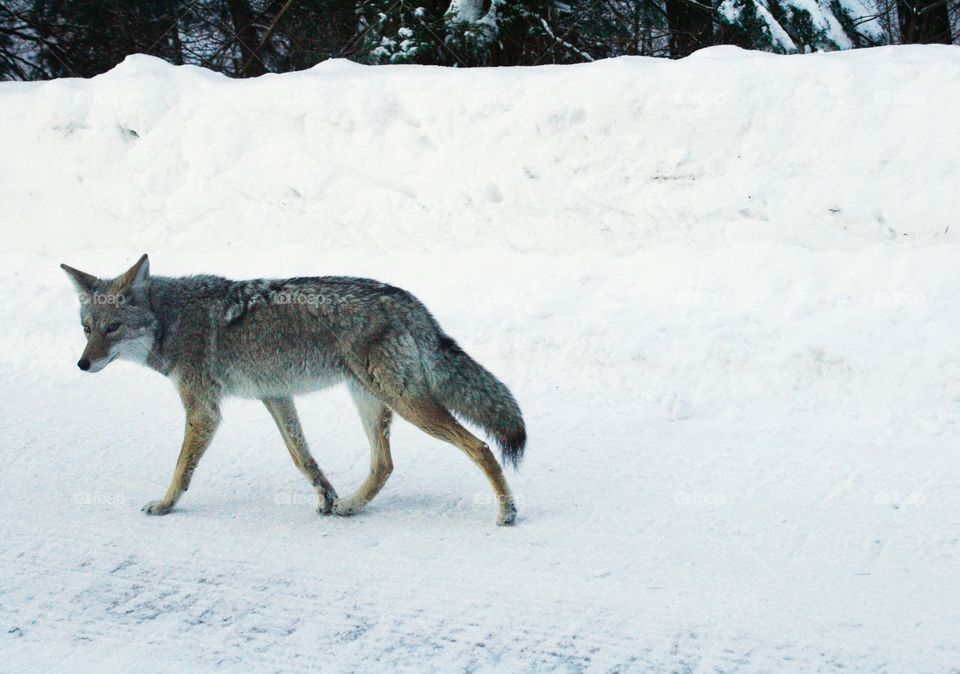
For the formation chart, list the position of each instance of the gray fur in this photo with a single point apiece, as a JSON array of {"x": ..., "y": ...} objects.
[{"x": 275, "y": 339}]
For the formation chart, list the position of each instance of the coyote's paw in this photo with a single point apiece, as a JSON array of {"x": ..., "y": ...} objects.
[
  {"x": 328, "y": 500},
  {"x": 346, "y": 507},
  {"x": 508, "y": 516},
  {"x": 157, "y": 508}
]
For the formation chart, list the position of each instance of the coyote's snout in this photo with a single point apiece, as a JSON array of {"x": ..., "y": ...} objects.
[{"x": 274, "y": 339}]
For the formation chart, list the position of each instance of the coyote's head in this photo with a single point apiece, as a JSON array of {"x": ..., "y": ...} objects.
[{"x": 115, "y": 316}]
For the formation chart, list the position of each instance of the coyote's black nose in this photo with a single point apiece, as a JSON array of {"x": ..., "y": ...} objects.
[{"x": 83, "y": 364}]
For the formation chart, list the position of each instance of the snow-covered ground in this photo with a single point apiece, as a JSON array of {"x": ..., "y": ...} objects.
[{"x": 725, "y": 291}]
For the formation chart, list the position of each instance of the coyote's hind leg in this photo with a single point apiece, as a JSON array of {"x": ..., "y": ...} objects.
[
  {"x": 389, "y": 370},
  {"x": 284, "y": 413},
  {"x": 435, "y": 419}
]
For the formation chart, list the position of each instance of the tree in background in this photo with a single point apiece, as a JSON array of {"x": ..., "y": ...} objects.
[
  {"x": 691, "y": 25},
  {"x": 42, "y": 39},
  {"x": 615, "y": 28},
  {"x": 924, "y": 21},
  {"x": 789, "y": 26},
  {"x": 80, "y": 37},
  {"x": 456, "y": 33}
]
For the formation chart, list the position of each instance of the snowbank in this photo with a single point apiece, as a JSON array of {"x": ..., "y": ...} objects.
[
  {"x": 824, "y": 150},
  {"x": 724, "y": 291}
]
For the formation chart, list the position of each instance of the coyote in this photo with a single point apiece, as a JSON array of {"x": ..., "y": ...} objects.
[{"x": 275, "y": 339}]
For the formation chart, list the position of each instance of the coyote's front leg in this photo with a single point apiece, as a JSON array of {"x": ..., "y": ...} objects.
[
  {"x": 284, "y": 413},
  {"x": 203, "y": 417}
]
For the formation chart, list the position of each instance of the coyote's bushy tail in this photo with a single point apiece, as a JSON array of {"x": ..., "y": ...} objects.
[{"x": 470, "y": 391}]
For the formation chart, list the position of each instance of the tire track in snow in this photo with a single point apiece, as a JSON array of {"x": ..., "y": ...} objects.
[{"x": 133, "y": 593}]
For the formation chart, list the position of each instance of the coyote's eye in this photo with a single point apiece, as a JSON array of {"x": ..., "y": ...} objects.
[
  {"x": 86, "y": 329},
  {"x": 113, "y": 327}
]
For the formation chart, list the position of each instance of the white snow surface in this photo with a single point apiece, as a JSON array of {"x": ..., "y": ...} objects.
[{"x": 725, "y": 291}]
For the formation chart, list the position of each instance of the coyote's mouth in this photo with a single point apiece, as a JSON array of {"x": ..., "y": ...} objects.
[{"x": 97, "y": 366}]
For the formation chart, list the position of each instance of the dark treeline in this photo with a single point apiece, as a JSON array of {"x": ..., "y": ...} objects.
[{"x": 41, "y": 39}]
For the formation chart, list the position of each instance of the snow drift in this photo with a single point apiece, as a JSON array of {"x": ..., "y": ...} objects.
[
  {"x": 825, "y": 150},
  {"x": 723, "y": 289}
]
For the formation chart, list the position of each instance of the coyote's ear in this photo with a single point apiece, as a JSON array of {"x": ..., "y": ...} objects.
[
  {"x": 82, "y": 281},
  {"x": 136, "y": 275}
]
